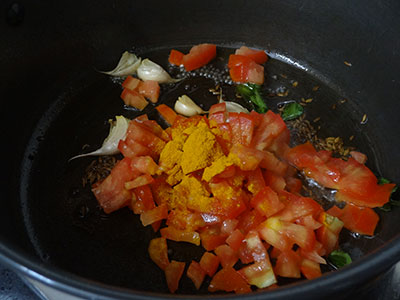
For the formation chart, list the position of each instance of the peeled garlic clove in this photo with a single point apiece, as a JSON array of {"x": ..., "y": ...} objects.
[
  {"x": 127, "y": 65},
  {"x": 149, "y": 70},
  {"x": 117, "y": 132},
  {"x": 235, "y": 107},
  {"x": 186, "y": 107}
]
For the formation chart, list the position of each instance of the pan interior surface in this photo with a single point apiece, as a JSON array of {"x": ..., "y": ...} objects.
[{"x": 64, "y": 222}]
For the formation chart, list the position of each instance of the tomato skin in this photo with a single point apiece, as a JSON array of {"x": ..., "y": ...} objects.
[
  {"x": 219, "y": 107},
  {"x": 133, "y": 98},
  {"x": 173, "y": 274},
  {"x": 175, "y": 57},
  {"x": 362, "y": 220},
  {"x": 158, "y": 252},
  {"x": 229, "y": 280},
  {"x": 168, "y": 114},
  {"x": 259, "y": 56},
  {"x": 111, "y": 193},
  {"x": 196, "y": 274},
  {"x": 199, "y": 56},
  {"x": 177, "y": 235},
  {"x": 209, "y": 263}
]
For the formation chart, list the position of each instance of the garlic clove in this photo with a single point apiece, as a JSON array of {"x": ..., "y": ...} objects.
[
  {"x": 187, "y": 107},
  {"x": 127, "y": 65},
  {"x": 117, "y": 132},
  {"x": 149, "y": 70}
]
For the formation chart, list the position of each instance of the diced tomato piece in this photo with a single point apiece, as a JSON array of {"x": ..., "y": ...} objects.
[
  {"x": 134, "y": 99},
  {"x": 297, "y": 207},
  {"x": 309, "y": 222},
  {"x": 218, "y": 117},
  {"x": 288, "y": 264},
  {"x": 359, "y": 157},
  {"x": 293, "y": 185},
  {"x": 219, "y": 107},
  {"x": 275, "y": 181},
  {"x": 211, "y": 238},
  {"x": 302, "y": 236},
  {"x": 236, "y": 60},
  {"x": 259, "y": 56},
  {"x": 255, "y": 246},
  {"x": 144, "y": 195},
  {"x": 247, "y": 158},
  {"x": 259, "y": 273},
  {"x": 313, "y": 255},
  {"x": 269, "y": 232},
  {"x": 130, "y": 83},
  {"x": 185, "y": 220},
  {"x": 235, "y": 239},
  {"x": 138, "y": 133},
  {"x": 209, "y": 263},
  {"x": 244, "y": 69},
  {"x": 199, "y": 56},
  {"x": 362, "y": 220},
  {"x": 139, "y": 181},
  {"x": 111, "y": 193},
  {"x": 249, "y": 220},
  {"x": 271, "y": 163},
  {"x": 330, "y": 219},
  {"x": 150, "y": 89},
  {"x": 177, "y": 235},
  {"x": 153, "y": 215},
  {"x": 267, "y": 202},
  {"x": 154, "y": 128},
  {"x": 229, "y": 280},
  {"x": 158, "y": 252},
  {"x": 144, "y": 164},
  {"x": 173, "y": 274},
  {"x": 310, "y": 269},
  {"x": 255, "y": 181},
  {"x": 327, "y": 238},
  {"x": 228, "y": 226},
  {"x": 168, "y": 114},
  {"x": 227, "y": 255},
  {"x": 196, "y": 274},
  {"x": 246, "y": 128},
  {"x": 271, "y": 126},
  {"x": 175, "y": 57}
]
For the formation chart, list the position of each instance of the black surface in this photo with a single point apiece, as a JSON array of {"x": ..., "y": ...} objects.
[{"x": 55, "y": 100}]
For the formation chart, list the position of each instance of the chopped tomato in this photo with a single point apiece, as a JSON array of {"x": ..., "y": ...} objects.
[
  {"x": 158, "y": 252},
  {"x": 362, "y": 220},
  {"x": 153, "y": 215},
  {"x": 131, "y": 149},
  {"x": 255, "y": 181},
  {"x": 144, "y": 164},
  {"x": 150, "y": 89},
  {"x": 271, "y": 126},
  {"x": 300, "y": 235},
  {"x": 235, "y": 239},
  {"x": 144, "y": 195},
  {"x": 215, "y": 108},
  {"x": 209, "y": 263},
  {"x": 266, "y": 202},
  {"x": 243, "y": 69},
  {"x": 168, "y": 114},
  {"x": 229, "y": 280},
  {"x": 275, "y": 181},
  {"x": 111, "y": 192},
  {"x": 247, "y": 158},
  {"x": 288, "y": 264},
  {"x": 196, "y": 273},
  {"x": 177, "y": 235},
  {"x": 359, "y": 157},
  {"x": 199, "y": 56},
  {"x": 255, "y": 246},
  {"x": 293, "y": 185},
  {"x": 211, "y": 238},
  {"x": 139, "y": 181},
  {"x": 259, "y": 273},
  {"x": 133, "y": 98},
  {"x": 175, "y": 57},
  {"x": 173, "y": 274},
  {"x": 130, "y": 83},
  {"x": 269, "y": 232},
  {"x": 310, "y": 269},
  {"x": 228, "y": 226},
  {"x": 143, "y": 136},
  {"x": 227, "y": 256},
  {"x": 297, "y": 207},
  {"x": 259, "y": 56}
]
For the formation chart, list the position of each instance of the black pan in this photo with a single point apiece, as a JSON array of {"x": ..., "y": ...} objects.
[{"x": 54, "y": 102}]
